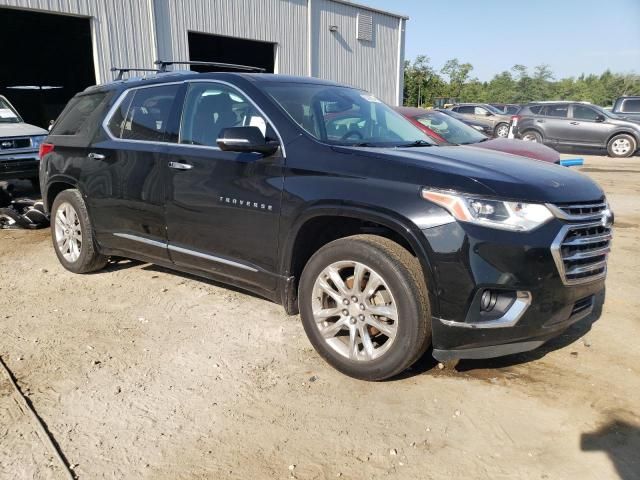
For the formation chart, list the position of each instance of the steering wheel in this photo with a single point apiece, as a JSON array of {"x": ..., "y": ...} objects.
[{"x": 352, "y": 133}]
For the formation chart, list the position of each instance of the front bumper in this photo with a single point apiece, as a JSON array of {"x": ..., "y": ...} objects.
[
  {"x": 19, "y": 165},
  {"x": 468, "y": 259}
]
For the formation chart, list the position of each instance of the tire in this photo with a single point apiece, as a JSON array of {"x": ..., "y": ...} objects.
[
  {"x": 397, "y": 342},
  {"x": 501, "y": 130},
  {"x": 531, "y": 136},
  {"x": 70, "y": 221},
  {"x": 622, "y": 146}
]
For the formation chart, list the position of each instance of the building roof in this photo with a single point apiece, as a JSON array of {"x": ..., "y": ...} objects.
[{"x": 371, "y": 9}]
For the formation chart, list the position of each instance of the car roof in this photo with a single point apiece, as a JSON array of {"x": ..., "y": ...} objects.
[{"x": 180, "y": 75}]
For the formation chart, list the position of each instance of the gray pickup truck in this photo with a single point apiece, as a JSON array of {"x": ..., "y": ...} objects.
[
  {"x": 19, "y": 145},
  {"x": 627, "y": 107}
]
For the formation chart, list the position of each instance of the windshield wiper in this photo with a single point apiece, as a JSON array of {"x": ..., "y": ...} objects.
[
  {"x": 363, "y": 144},
  {"x": 417, "y": 143}
]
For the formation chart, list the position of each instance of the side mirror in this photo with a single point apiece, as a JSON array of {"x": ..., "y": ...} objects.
[
  {"x": 245, "y": 139},
  {"x": 600, "y": 118}
]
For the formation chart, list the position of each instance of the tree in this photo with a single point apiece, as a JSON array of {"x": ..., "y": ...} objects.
[
  {"x": 423, "y": 84},
  {"x": 458, "y": 74}
]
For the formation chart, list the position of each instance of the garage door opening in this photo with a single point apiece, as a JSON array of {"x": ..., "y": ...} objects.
[
  {"x": 46, "y": 60},
  {"x": 215, "y": 48}
]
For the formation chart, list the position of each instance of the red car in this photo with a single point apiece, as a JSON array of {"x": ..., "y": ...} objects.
[{"x": 446, "y": 130}]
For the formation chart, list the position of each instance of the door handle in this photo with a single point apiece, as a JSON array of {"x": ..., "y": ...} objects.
[
  {"x": 180, "y": 166},
  {"x": 574, "y": 123},
  {"x": 96, "y": 156}
]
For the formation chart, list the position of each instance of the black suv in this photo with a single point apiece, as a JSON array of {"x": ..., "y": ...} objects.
[
  {"x": 575, "y": 124},
  {"x": 322, "y": 198}
]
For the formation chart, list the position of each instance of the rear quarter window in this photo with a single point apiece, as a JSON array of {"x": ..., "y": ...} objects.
[
  {"x": 631, "y": 105},
  {"x": 78, "y": 117}
]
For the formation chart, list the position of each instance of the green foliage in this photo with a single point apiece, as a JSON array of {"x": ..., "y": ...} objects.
[{"x": 423, "y": 84}]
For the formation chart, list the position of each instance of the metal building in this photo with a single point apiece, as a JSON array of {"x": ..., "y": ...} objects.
[{"x": 73, "y": 43}]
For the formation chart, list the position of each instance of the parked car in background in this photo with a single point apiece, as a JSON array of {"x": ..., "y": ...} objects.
[
  {"x": 628, "y": 107},
  {"x": 498, "y": 120},
  {"x": 481, "y": 126},
  {"x": 508, "y": 108},
  {"x": 324, "y": 199},
  {"x": 19, "y": 144},
  {"x": 576, "y": 124},
  {"x": 446, "y": 130}
]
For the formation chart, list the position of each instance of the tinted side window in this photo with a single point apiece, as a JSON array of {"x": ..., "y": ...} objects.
[
  {"x": 631, "y": 105},
  {"x": 536, "y": 109},
  {"x": 210, "y": 107},
  {"x": 466, "y": 109},
  {"x": 584, "y": 113},
  {"x": 73, "y": 120},
  {"x": 147, "y": 112},
  {"x": 480, "y": 111},
  {"x": 561, "y": 111}
]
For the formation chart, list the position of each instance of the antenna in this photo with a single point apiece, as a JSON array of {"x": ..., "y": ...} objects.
[
  {"x": 122, "y": 71},
  {"x": 162, "y": 65}
]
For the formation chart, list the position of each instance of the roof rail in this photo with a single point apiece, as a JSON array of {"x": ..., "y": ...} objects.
[
  {"x": 122, "y": 71},
  {"x": 162, "y": 65}
]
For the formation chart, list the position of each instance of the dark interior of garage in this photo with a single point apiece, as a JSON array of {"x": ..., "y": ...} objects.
[
  {"x": 48, "y": 57},
  {"x": 216, "y": 48}
]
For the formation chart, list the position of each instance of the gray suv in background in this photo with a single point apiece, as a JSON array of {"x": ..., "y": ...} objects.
[
  {"x": 576, "y": 124},
  {"x": 484, "y": 113}
]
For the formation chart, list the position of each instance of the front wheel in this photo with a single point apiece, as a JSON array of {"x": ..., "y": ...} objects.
[
  {"x": 532, "y": 136},
  {"x": 364, "y": 306},
  {"x": 621, "y": 146},
  {"x": 73, "y": 239},
  {"x": 502, "y": 130}
]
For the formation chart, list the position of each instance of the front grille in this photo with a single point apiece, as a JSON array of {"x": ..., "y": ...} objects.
[
  {"x": 580, "y": 252},
  {"x": 14, "y": 143},
  {"x": 19, "y": 165},
  {"x": 580, "y": 210}
]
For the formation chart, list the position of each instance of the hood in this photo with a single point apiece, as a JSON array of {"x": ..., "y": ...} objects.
[
  {"x": 519, "y": 147},
  {"x": 481, "y": 171},
  {"x": 20, "y": 130}
]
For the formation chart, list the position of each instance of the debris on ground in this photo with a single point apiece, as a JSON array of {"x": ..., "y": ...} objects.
[{"x": 20, "y": 212}]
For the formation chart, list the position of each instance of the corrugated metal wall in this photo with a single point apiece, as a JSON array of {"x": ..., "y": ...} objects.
[
  {"x": 137, "y": 32},
  {"x": 283, "y": 22},
  {"x": 340, "y": 56},
  {"x": 122, "y": 30}
]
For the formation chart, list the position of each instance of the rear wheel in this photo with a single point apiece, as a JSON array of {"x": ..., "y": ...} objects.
[
  {"x": 364, "y": 306},
  {"x": 621, "y": 146},
  {"x": 502, "y": 130},
  {"x": 531, "y": 136},
  {"x": 73, "y": 239}
]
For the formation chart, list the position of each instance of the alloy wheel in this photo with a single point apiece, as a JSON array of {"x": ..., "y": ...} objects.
[
  {"x": 502, "y": 131},
  {"x": 68, "y": 232},
  {"x": 354, "y": 311},
  {"x": 529, "y": 138}
]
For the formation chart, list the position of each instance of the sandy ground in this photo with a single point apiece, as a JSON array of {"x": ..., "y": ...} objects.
[{"x": 143, "y": 373}]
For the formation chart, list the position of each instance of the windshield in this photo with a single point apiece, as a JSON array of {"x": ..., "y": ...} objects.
[
  {"x": 345, "y": 116},
  {"x": 493, "y": 109},
  {"x": 604, "y": 112},
  {"x": 7, "y": 113},
  {"x": 452, "y": 130}
]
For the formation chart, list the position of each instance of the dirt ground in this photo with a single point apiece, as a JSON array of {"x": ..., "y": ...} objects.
[{"x": 139, "y": 372}]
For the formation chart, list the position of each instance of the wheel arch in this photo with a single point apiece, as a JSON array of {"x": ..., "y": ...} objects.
[
  {"x": 320, "y": 225},
  {"x": 632, "y": 134},
  {"x": 53, "y": 189}
]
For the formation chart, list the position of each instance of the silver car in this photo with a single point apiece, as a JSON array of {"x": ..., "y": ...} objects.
[{"x": 19, "y": 145}]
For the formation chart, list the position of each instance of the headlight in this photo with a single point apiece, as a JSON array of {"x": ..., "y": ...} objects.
[
  {"x": 515, "y": 216},
  {"x": 37, "y": 140}
]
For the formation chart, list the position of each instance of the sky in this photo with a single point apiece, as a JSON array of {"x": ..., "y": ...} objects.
[{"x": 572, "y": 36}]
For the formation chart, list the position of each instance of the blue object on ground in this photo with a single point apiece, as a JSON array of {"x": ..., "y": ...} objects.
[{"x": 572, "y": 162}]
